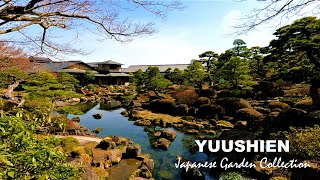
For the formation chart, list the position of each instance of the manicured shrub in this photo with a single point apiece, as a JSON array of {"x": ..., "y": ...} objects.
[
  {"x": 277, "y": 104},
  {"x": 188, "y": 96},
  {"x": 201, "y": 101},
  {"x": 304, "y": 142},
  {"x": 249, "y": 114},
  {"x": 210, "y": 111},
  {"x": 162, "y": 106},
  {"x": 232, "y": 105},
  {"x": 293, "y": 117},
  {"x": 304, "y": 104}
]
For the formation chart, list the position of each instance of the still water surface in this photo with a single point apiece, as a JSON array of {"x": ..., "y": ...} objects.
[{"x": 114, "y": 124}]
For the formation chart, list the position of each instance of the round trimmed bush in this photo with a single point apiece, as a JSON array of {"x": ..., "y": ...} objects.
[
  {"x": 201, "y": 101},
  {"x": 249, "y": 114},
  {"x": 304, "y": 104},
  {"x": 232, "y": 105},
  {"x": 277, "y": 104}
]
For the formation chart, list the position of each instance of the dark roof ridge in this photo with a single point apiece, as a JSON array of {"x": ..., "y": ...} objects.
[{"x": 159, "y": 65}]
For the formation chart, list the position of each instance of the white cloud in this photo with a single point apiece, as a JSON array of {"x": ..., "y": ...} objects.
[{"x": 157, "y": 49}]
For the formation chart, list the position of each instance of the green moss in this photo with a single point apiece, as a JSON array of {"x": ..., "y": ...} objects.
[{"x": 68, "y": 143}]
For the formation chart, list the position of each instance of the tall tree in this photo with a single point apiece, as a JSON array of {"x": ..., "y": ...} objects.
[
  {"x": 300, "y": 40},
  {"x": 209, "y": 58},
  {"x": 235, "y": 74},
  {"x": 154, "y": 81},
  {"x": 196, "y": 74}
]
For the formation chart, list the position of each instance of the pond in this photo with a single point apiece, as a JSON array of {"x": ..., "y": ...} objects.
[{"x": 114, "y": 124}]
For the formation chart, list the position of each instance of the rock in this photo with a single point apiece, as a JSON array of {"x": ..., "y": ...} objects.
[
  {"x": 277, "y": 104},
  {"x": 83, "y": 99},
  {"x": 304, "y": 104},
  {"x": 150, "y": 164},
  {"x": 224, "y": 124},
  {"x": 114, "y": 155},
  {"x": 181, "y": 110},
  {"x": 106, "y": 143},
  {"x": 125, "y": 113},
  {"x": 97, "y": 116},
  {"x": 192, "y": 111},
  {"x": 75, "y": 119},
  {"x": 133, "y": 151},
  {"x": 192, "y": 174},
  {"x": 75, "y": 100},
  {"x": 162, "y": 143},
  {"x": 192, "y": 131},
  {"x": 97, "y": 130},
  {"x": 71, "y": 125},
  {"x": 315, "y": 116},
  {"x": 169, "y": 134},
  {"x": 249, "y": 114},
  {"x": 91, "y": 99},
  {"x": 142, "y": 123},
  {"x": 157, "y": 134}
]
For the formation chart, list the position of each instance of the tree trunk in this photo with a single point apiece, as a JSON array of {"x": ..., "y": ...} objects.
[
  {"x": 314, "y": 93},
  {"x": 9, "y": 95}
]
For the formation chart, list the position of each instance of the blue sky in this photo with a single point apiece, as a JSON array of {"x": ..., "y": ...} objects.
[{"x": 201, "y": 26}]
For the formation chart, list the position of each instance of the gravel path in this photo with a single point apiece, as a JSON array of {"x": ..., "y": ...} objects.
[{"x": 83, "y": 139}]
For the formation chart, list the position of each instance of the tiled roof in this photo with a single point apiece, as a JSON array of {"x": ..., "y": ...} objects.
[
  {"x": 162, "y": 68},
  {"x": 118, "y": 75},
  {"x": 110, "y": 62}
]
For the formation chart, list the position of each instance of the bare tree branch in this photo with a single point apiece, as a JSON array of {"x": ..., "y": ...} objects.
[
  {"x": 102, "y": 15},
  {"x": 275, "y": 10}
]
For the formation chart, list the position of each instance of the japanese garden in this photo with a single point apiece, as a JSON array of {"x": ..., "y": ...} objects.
[{"x": 66, "y": 119}]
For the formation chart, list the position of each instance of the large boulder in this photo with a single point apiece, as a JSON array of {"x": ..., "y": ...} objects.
[
  {"x": 133, "y": 150},
  {"x": 149, "y": 163},
  {"x": 75, "y": 119},
  {"x": 181, "y": 110},
  {"x": 97, "y": 116},
  {"x": 106, "y": 143},
  {"x": 232, "y": 105},
  {"x": 97, "y": 130},
  {"x": 114, "y": 155},
  {"x": 169, "y": 134},
  {"x": 162, "y": 143}
]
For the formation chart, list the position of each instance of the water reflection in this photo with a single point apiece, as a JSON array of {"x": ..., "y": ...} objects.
[{"x": 113, "y": 123}]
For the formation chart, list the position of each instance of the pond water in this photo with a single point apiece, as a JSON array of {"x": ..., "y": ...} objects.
[{"x": 114, "y": 124}]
